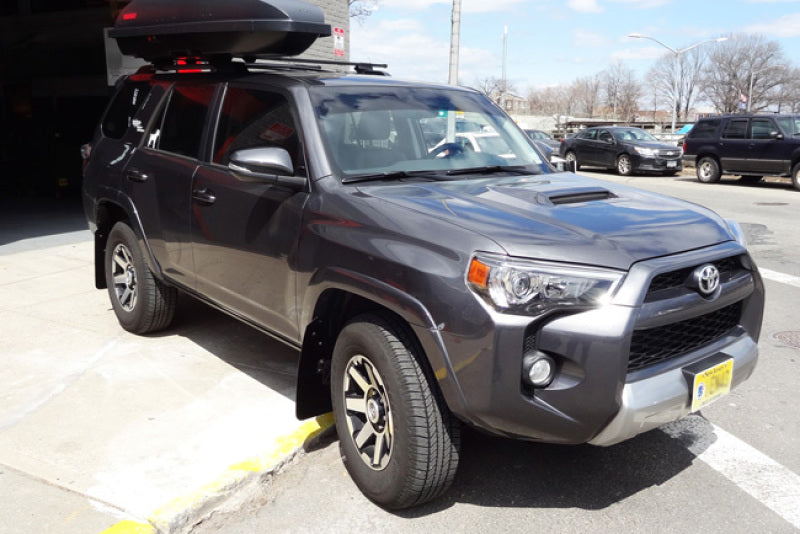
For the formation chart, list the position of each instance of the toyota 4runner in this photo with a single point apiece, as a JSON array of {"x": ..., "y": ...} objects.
[{"x": 425, "y": 285}]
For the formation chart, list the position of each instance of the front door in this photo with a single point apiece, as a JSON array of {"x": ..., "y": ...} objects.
[{"x": 244, "y": 229}]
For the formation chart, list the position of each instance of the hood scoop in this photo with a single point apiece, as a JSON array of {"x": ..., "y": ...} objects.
[{"x": 579, "y": 195}]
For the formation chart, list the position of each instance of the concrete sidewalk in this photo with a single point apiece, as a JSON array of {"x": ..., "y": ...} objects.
[{"x": 101, "y": 429}]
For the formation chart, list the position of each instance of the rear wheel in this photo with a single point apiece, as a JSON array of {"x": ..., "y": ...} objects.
[
  {"x": 572, "y": 160},
  {"x": 397, "y": 438},
  {"x": 708, "y": 170},
  {"x": 141, "y": 302},
  {"x": 624, "y": 165}
]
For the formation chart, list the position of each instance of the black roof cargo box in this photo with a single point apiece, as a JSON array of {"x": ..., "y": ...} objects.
[{"x": 161, "y": 30}]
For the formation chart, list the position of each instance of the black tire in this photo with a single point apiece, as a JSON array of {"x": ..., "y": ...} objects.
[
  {"x": 141, "y": 303},
  {"x": 397, "y": 438},
  {"x": 624, "y": 165},
  {"x": 708, "y": 170},
  {"x": 750, "y": 179},
  {"x": 796, "y": 176},
  {"x": 571, "y": 157}
]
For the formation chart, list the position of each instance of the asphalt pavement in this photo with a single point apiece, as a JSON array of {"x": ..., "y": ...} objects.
[{"x": 105, "y": 431}]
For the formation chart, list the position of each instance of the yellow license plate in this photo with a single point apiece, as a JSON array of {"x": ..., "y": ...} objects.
[{"x": 712, "y": 383}]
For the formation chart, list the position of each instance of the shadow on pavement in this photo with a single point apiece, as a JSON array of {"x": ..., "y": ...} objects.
[{"x": 28, "y": 217}]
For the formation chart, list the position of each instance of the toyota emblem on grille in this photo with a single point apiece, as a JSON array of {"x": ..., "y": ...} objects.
[{"x": 706, "y": 279}]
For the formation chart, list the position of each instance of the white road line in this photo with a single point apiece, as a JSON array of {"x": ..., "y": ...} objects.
[
  {"x": 783, "y": 278},
  {"x": 763, "y": 478}
]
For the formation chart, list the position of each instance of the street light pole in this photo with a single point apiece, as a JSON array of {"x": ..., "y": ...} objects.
[
  {"x": 455, "y": 34},
  {"x": 676, "y": 52}
]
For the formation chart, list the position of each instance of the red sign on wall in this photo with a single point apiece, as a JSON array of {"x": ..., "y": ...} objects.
[{"x": 338, "y": 42}]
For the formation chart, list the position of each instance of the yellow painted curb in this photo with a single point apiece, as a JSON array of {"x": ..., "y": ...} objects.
[{"x": 185, "y": 507}]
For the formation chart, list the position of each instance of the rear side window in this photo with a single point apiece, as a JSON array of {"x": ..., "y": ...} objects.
[
  {"x": 735, "y": 129},
  {"x": 182, "y": 128},
  {"x": 123, "y": 108},
  {"x": 704, "y": 129}
]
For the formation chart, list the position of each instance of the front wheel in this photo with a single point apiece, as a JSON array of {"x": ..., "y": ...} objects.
[
  {"x": 708, "y": 170},
  {"x": 796, "y": 176},
  {"x": 141, "y": 302},
  {"x": 398, "y": 440},
  {"x": 624, "y": 165}
]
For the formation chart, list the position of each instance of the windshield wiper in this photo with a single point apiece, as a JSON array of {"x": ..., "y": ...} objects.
[
  {"x": 490, "y": 169},
  {"x": 389, "y": 175}
]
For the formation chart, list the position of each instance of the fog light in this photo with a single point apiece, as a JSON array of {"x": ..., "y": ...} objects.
[{"x": 539, "y": 369}]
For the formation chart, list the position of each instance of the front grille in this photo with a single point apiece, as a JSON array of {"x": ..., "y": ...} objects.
[
  {"x": 727, "y": 269},
  {"x": 655, "y": 345}
]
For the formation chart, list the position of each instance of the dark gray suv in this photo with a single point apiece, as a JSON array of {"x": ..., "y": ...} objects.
[
  {"x": 752, "y": 146},
  {"x": 423, "y": 285}
]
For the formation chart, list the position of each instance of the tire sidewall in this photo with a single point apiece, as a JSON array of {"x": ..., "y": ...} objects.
[
  {"x": 121, "y": 233},
  {"x": 714, "y": 176},
  {"x": 629, "y": 170},
  {"x": 385, "y": 485}
]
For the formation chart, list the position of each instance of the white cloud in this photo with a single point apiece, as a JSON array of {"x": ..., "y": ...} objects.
[
  {"x": 583, "y": 38},
  {"x": 786, "y": 26},
  {"x": 584, "y": 6},
  {"x": 644, "y": 53},
  {"x": 644, "y": 4}
]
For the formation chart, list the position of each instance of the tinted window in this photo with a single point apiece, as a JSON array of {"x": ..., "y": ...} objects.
[
  {"x": 182, "y": 128},
  {"x": 762, "y": 128},
  {"x": 790, "y": 125},
  {"x": 123, "y": 108},
  {"x": 735, "y": 129},
  {"x": 704, "y": 129},
  {"x": 252, "y": 118},
  {"x": 587, "y": 134}
]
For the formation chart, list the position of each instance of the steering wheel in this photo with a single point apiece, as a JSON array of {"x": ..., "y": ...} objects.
[{"x": 447, "y": 150}]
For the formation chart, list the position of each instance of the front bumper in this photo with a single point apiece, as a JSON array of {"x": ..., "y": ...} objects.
[
  {"x": 658, "y": 164},
  {"x": 666, "y": 397},
  {"x": 597, "y": 397}
]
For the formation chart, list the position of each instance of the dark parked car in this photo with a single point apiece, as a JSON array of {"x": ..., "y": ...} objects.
[
  {"x": 751, "y": 146},
  {"x": 422, "y": 289},
  {"x": 628, "y": 150}
]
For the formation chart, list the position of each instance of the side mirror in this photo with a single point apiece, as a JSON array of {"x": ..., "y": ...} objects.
[
  {"x": 776, "y": 135},
  {"x": 266, "y": 163}
]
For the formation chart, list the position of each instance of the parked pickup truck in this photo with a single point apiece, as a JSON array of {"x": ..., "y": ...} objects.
[{"x": 424, "y": 285}]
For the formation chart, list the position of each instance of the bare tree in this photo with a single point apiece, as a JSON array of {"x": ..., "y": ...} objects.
[
  {"x": 495, "y": 88},
  {"x": 622, "y": 91},
  {"x": 551, "y": 101},
  {"x": 585, "y": 92},
  {"x": 743, "y": 62},
  {"x": 787, "y": 95},
  {"x": 688, "y": 72}
]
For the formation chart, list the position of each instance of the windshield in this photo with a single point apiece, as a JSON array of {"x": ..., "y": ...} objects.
[
  {"x": 790, "y": 125},
  {"x": 371, "y": 130},
  {"x": 634, "y": 134}
]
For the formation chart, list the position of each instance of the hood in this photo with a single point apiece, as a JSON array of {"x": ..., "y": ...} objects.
[{"x": 562, "y": 217}]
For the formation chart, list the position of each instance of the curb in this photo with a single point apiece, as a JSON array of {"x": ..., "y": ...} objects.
[{"x": 184, "y": 512}]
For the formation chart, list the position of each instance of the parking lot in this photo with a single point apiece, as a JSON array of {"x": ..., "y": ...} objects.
[{"x": 101, "y": 429}]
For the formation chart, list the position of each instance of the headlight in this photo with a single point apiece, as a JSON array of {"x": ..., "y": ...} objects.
[
  {"x": 531, "y": 287},
  {"x": 646, "y": 151}
]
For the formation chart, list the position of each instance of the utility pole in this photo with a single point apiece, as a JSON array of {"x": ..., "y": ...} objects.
[
  {"x": 503, "y": 80},
  {"x": 455, "y": 32}
]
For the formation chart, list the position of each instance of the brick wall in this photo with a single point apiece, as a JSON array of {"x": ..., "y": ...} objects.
[{"x": 338, "y": 16}]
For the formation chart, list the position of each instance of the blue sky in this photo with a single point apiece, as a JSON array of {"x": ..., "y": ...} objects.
[{"x": 553, "y": 42}]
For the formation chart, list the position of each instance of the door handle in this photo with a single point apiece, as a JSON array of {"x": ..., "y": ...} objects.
[
  {"x": 135, "y": 175},
  {"x": 204, "y": 196}
]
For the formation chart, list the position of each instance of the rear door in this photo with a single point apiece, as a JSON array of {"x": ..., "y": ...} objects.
[
  {"x": 734, "y": 146},
  {"x": 158, "y": 176},
  {"x": 245, "y": 230}
]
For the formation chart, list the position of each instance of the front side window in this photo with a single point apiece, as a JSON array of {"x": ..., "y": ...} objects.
[
  {"x": 762, "y": 128},
  {"x": 735, "y": 129},
  {"x": 790, "y": 125},
  {"x": 370, "y": 130},
  {"x": 181, "y": 130},
  {"x": 253, "y": 118}
]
